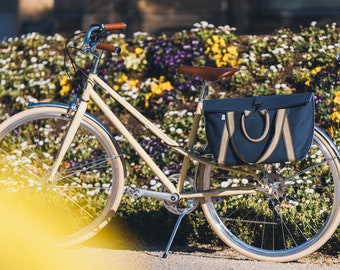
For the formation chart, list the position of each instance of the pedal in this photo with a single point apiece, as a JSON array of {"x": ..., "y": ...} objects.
[
  {"x": 190, "y": 205},
  {"x": 133, "y": 192}
]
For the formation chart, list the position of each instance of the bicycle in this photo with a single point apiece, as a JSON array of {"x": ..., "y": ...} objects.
[{"x": 73, "y": 164}]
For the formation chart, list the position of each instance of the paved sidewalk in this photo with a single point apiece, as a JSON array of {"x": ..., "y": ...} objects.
[{"x": 107, "y": 259}]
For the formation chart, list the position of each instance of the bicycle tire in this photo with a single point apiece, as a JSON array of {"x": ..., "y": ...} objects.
[
  {"x": 90, "y": 180},
  {"x": 292, "y": 215}
]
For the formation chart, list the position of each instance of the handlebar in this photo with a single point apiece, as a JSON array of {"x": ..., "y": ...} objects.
[
  {"x": 114, "y": 26},
  {"x": 108, "y": 47},
  {"x": 95, "y": 32}
]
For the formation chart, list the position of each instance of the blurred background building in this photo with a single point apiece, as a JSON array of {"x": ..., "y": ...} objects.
[{"x": 156, "y": 16}]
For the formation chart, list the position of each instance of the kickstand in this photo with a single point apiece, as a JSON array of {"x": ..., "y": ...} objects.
[{"x": 189, "y": 206}]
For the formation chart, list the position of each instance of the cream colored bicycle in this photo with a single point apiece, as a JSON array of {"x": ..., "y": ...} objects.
[{"x": 74, "y": 166}]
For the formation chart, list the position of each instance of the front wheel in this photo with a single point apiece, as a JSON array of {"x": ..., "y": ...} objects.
[
  {"x": 293, "y": 212},
  {"x": 88, "y": 186}
]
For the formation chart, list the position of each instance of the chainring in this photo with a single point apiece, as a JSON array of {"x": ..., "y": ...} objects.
[{"x": 178, "y": 207}]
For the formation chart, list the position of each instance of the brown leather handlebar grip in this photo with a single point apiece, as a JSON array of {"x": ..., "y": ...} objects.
[
  {"x": 108, "y": 47},
  {"x": 115, "y": 26}
]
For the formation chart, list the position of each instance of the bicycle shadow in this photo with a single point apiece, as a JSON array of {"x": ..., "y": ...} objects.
[{"x": 119, "y": 235}]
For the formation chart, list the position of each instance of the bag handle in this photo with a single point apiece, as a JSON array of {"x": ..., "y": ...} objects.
[
  {"x": 279, "y": 121},
  {"x": 265, "y": 130}
]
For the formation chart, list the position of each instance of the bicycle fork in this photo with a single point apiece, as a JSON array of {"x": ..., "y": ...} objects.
[{"x": 71, "y": 131}]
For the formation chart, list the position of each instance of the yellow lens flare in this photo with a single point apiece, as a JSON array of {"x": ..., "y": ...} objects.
[
  {"x": 24, "y": 245},
  {"x": 23, "y": 241}
]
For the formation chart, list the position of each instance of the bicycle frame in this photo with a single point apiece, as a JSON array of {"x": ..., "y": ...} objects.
[{"x": 90, "y": 93}]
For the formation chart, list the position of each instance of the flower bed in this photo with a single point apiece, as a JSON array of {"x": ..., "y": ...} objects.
[{"x": 32, "y": 69}]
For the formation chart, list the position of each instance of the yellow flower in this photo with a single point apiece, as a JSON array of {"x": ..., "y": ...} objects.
[
  {"x": 65, "y": 85},
  {"x": 65, "y": 90},
  {"x": 335, "y": 116},
  {"x": 226, "y": 57},
  {"x": 316, "y": 70},
  {"x": 132, "y": 83},
  {"x": 209, "y": 41},
  {"x": 64, "y": 80},
  {"x": 336, "y": 99},
  {"x": 155, "y": 89},
  {"x": 215, "y": 48},
  {"x": 233, "y": 62},
  {"x": 146, "y": 100},
  {"x": 166, "y": 86},
  {"x": 138, "y": 51},
  {"x": 215, "y": 38},
  {"x": 218, "y": 61},
  {"x": 123, "y": 48},
  {"x": 233, "y": 50},
  {"x": 122, "y": 79},
  {"x": 91, "y": 106},
  {"x": 222, "y": 43}
]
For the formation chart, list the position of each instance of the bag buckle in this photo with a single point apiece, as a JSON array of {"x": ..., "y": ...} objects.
[{"x": 257, "y": 102}]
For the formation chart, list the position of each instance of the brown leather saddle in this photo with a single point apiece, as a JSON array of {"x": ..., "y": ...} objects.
[{"x": 207, "y": 73}]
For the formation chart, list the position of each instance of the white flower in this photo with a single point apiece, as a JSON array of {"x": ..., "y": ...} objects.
[
  {"x": 309, "y": 191},
  {"x": 236, "y": 181},
  {"x": 34, "y": 59},
  {"x": 244, "y": 181},
  {"x": 139, "y": 33},
  {"x": 297, "y": 38},
  {"x": 204, "y": 24},
  {"x": 179, "y": 131},
  {"x": 274, "y": 69},
  {"x": 153, "y": 182},
  {"x": 158, "y": 185},
  {"x": 226, "y": 184}
]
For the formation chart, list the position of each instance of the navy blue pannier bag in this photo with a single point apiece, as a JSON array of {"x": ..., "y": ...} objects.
[{"x": 262, "y": 129}]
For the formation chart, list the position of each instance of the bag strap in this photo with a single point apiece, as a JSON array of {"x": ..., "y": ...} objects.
[
  {"x": 265, "y": 130},
  {"x": 287, "y": 138},
  {"x": 229, "y": 130}
]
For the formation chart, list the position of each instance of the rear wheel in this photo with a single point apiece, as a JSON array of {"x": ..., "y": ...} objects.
[
  {"x": 294, "y": 211},
  {"x": 89, "y": 183}
]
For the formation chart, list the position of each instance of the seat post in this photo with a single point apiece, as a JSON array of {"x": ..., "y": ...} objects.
[{"x": 204, "y": 90}]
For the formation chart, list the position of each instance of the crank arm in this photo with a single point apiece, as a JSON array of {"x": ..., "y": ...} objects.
[{"x": 136, "y": 193}]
